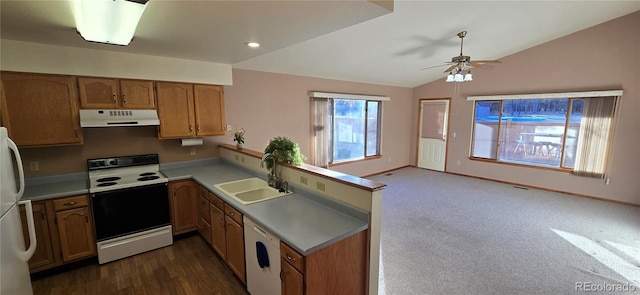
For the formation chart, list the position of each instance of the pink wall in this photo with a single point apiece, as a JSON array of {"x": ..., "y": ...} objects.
[
  {"x": 603, "y": 57},
  {"x": 267, "y": 105}
]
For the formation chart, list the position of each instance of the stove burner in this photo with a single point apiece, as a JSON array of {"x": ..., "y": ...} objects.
[
  {"x": 147, "y": 174},
  {"x": 145, "y": 178},
  {"x": 108, "y": 179},
  {"x": 107, "y": 183}
]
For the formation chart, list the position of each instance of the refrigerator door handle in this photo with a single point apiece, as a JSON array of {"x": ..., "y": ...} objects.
[
  {"x": 26, "y": 255},
  {"x": 14, "y": 148}
]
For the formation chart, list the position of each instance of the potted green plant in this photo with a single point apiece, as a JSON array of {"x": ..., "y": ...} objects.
[
  {"x": 285, "y": 151},
  {"x": 238, "y": 137}
]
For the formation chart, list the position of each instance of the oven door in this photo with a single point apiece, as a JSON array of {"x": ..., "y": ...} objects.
[{"x": 125, "y": 211}]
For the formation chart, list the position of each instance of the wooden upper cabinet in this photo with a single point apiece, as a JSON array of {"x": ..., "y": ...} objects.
[
  {"x": 175, "y": 110},
  {"x": 40, "y": 109},
  {"x": 105, "y": 93},
  {"x": 209, "y": 110}
]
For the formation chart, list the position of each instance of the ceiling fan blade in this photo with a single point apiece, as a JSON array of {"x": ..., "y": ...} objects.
[
  {"x": 433, "y": 67},
  {"x": 479, "y": 65},
  {"x": 449, "y": 69},
  {"x": 485, "y": 61}
]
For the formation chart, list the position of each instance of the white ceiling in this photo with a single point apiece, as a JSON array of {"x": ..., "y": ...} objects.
[{"x": 346, "y": 40}]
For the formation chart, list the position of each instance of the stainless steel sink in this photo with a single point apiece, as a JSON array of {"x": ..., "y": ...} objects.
[{"x": 250, "y": 190}]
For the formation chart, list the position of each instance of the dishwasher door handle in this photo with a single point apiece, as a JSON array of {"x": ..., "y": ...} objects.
[{"x": 260, "y": 231}]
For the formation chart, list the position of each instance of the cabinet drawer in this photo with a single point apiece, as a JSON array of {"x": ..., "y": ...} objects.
[
  {"x": 70, "y": 203},
  {"x": 216, "y": 201},
  {"x": 203, "y": 193},
  {"x": 203, "y": 209},
  {"x": 292, "y": 257},
  {"x": 233, "y": 213}
]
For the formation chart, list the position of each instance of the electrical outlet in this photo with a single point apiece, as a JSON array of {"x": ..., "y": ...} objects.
[
  {"x": 228, "y": 127},
  {"x": 237, "y": 157},
  {"x": 458, "y": 162},
  {"x": 303, "y": 180},
  {"x": 320, "y": 186},
  {"x": 33, "y": 166},
  {"x": 193, "y": 151},
  {"x": 242, "y": 159}
]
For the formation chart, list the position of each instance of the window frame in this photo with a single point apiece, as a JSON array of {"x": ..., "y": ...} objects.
[
  {"x": 331, "y": 156},
  {"x": 570, "y": 96}
]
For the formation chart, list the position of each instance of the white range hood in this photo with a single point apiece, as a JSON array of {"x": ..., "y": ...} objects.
[{"x": 118, "y": 118}]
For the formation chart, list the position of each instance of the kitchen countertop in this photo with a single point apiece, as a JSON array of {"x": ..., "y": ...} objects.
[{"x": 304, "y": 221}]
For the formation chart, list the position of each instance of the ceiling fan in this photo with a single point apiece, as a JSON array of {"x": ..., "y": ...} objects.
[{"x": 461, "y": 63}]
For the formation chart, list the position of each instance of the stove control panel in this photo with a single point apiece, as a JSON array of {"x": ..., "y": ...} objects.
[{"x": 123, "y": 161}]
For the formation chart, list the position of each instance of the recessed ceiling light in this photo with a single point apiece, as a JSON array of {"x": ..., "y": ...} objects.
[{"x": 253, "y": 44}]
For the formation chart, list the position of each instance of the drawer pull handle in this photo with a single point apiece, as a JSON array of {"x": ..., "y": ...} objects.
[
  {"x": 230, "y": 213},
  {"x": 70, "y": 203},
  {"x": 290, "y": 258}
]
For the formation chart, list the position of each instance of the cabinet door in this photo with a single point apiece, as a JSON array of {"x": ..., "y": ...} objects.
[
  {"x": 98, "y": 93},
  {"x": 183, "y": 206},
  {"x": 40, "y": 109},
  {"x": 292, "y": 281},
  {"x": 76, "y": 233},
  {"x": 235, "y": 248},
  {"x": 218, "y": 235},
  {"x": 175, "y": 110},
  {"x": 209, "y": 110},
  {"x": 137, "y": 94},
  {"x": 44, "y": 249}
]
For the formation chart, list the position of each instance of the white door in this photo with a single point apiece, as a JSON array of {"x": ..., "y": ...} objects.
[{"x": 432, "y": 143}]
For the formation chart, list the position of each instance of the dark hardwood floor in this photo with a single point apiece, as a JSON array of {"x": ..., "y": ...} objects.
[{"x": 189, "y": 266}]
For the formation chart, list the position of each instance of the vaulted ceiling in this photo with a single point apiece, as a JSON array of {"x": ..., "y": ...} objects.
[{"x": 356, "y": 40}]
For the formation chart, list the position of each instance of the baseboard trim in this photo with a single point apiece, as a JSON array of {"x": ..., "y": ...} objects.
[
  {"x": 547, "y": 189},
  {"x": 386, "y": 171}
]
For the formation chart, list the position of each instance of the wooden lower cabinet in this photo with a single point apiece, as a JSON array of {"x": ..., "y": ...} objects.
[
  {"x": 183, "y": 195},
  {"x": 64, "y": 232},
  {"x": 226, "y": 233},
  {"x": 292, "y": 279},
  {"x": 204, "y": 216},
  {"x": 235, "y": 247},
  {"x": 340, "y": 268},
  {"x": 76, "y": 233},
  {"x": 43, "y": 256},
  {"x": 218, "y": 232}
]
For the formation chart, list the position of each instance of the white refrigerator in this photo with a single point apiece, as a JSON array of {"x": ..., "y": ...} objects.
[{"x": 14, "y": 270}]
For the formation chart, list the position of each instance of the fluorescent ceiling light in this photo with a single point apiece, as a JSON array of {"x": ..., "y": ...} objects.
[
  {"x": 253, "y": 44},
  {"x": 108, "y": 21}
]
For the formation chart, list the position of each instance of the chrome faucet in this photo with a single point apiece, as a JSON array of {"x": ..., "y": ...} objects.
[{"x": 273, "y": 179}]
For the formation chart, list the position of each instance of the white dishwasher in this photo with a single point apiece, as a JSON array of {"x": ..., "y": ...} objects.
[{"x": 262, "y": 251}]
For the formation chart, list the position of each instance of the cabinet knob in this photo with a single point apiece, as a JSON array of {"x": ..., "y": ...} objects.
[
  {"x": 190, "y": 128},
  {"x": 114, "y": 97},
  {"x": 70, "y": 203},
  {"x": 124, "y": 98},
  {"x": 290, "y": 258}
]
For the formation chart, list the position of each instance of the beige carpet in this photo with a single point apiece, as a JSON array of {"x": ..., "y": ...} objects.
[{"x": 448, "y": 234}]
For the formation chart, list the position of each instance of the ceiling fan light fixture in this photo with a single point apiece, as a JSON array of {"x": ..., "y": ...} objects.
[
  {"x": 450, "y": 77},
  {"x": 458, "y": 77},
  {"x": 108, "y": 21},
  {"x": 468, "y": 77}
]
